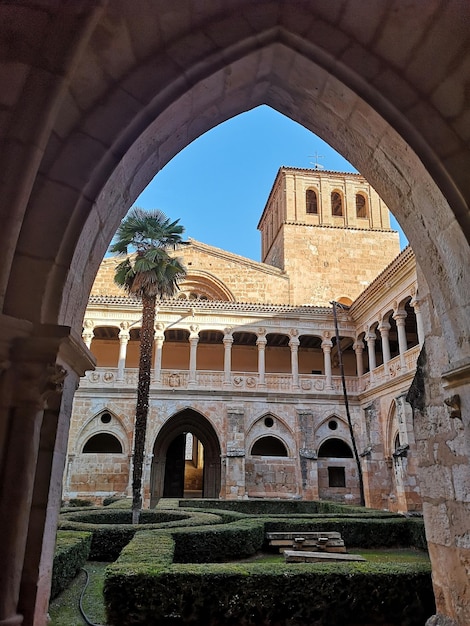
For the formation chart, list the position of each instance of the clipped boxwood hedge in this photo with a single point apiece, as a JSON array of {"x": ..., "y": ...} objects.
[
  {"x": 359, "y": 532},
  {"x": 285, "y": 507},
  {"x": 112, "y": 530},
  {"x": 71, "y": 552},
  {"x": 219, "y": 543},
  {"x": 145, "y": 587}
]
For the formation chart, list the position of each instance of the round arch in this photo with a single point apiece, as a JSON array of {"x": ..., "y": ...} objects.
[{"x": 186, "y": 421}]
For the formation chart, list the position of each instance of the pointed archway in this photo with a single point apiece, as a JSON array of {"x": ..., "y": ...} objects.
[{"x": 168, "y": 463}]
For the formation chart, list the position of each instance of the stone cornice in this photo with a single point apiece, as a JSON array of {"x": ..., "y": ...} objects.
[
  {"x": 207, "y": 306},
  {"x": 231, "y": 256}
]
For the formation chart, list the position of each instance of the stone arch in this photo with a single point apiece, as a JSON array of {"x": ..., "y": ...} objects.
[
  {"x": 187, "y": 420},
  {"x": 269, "y": 445},
  {"x": 96, "y": 104},
  {"x": 335, "y": 447},
  {"x": 103, "y": 443},
  {"x": 279, "y": 429},
  {"x": 311, "y": 201},
  {"x": 337, "y": 207},
  {"x": 362, "y": 205},
  {"x": 207, "y": 285},
  {"x": 94, "y": 425}
]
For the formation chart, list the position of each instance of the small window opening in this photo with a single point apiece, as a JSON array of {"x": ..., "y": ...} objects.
[
  {"x": 336, "y": 477},
  {"x": 336, "y": 204},
  {"x": 268, "y": 422},
  {"x": 361, "y": 205},
  {"x": 103, "y": 443},
  {"x": 311, "y": 202},
  {"x": 336, "y": 448},
  {"x": 332, "y": 424},
  {"x": 269, "y": 446},
  {"x": 106, "y": 418}
]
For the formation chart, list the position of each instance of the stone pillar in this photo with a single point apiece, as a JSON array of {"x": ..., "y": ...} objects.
[
  {"x": 400, "y": 317},
  {"x": 157, "y": 365},
  {"x": 308, "y": 456},
  {"x": 124, "y": 337},
  {"x": 261, "y": 343},
  {"x": 384, "y": 330},
  {"x": 235, "y": 457},
  {"x": 88, "y": 334},
  {"x": 359, "y": 349},
  {"x": 228, "y": 342},
  {"x": 36, "y": 401},
  {"x": 415, "y": 303},
  {"x": 371, "y": 337},
  {"x": 326, "y": 347},
  {"x": 294, "y": 357},
  {"x": 193, "y": 341}
]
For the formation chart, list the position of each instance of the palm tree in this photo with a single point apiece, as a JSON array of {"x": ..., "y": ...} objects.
[{"x": 148, "y": 272}]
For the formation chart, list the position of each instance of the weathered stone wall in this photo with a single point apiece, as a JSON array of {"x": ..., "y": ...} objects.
[{"x": 332, "y": 263}]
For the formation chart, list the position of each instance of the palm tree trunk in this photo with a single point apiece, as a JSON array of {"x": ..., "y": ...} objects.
[{"x": 147, "y": 333}]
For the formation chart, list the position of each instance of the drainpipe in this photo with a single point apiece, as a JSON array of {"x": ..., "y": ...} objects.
[{"x": 346, "y": 403}]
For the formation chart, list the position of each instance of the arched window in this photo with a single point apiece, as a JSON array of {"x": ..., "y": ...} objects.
[
  {"x": 336, "y": 204},
  {"x": 311, "y": 202},
  {"x": 103, "y": 443},
  {"x": 361, "y": 205},
  {"x": 269, "y": 446},
  {"x": 336, "y": 448}
]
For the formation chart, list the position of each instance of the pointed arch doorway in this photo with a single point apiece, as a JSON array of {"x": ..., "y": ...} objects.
[{"x": 186, "y": 458}]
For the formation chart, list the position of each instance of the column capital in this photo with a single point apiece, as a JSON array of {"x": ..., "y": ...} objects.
[
  {"x": 358, "y": 346},
  {"x": 370, "y": 336},
  {"x": 326, "y": 345},
  {"x": 384, "y": 328},
  {"x": 400, "y": 315},
  {"x": 294, "y": 343},
  {"x": 194, "y": 332}
]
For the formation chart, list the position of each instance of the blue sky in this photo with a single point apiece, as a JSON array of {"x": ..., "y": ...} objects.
[{"x": 219, "y": 184}]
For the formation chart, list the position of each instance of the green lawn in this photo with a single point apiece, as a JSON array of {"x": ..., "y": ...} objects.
[
  {"x": 64, "y": 609},
  {"x": 398, "y": 555}
]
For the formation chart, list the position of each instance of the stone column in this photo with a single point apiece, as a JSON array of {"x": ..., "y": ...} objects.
[
  {"x": 157, "y": 365},
  {"x": 235, "y": 481},
  {"x": 261, "y": 343},
  {"x": 400, "y": 317},
  {"x": 193, "y": 341},
  {"x": 294, "y": 357},
  {"x": 326, "y": 347},
  {"x": 88, "y": 334},
  {"x": 359, "y": 349},
  {"x": 415, "y": 303},
  {"x": 228, "y": 341},
  {"x": 308, "y": 455},
  {"x": 384, "y": 330},
  {"x": 36, "y": 401},
  {"x": 124, "y": 337},
  {"x": 371, "y": 337}
]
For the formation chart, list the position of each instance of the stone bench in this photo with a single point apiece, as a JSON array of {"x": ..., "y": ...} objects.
[
  {"x": 307, "y": 541},
  {"x": 301, "y": 556}
]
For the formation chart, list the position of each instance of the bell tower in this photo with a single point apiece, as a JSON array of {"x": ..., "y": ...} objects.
[{"x": 329, "y": 231}]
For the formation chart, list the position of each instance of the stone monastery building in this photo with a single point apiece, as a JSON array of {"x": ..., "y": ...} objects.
[{"x": 246, "y": 396}]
